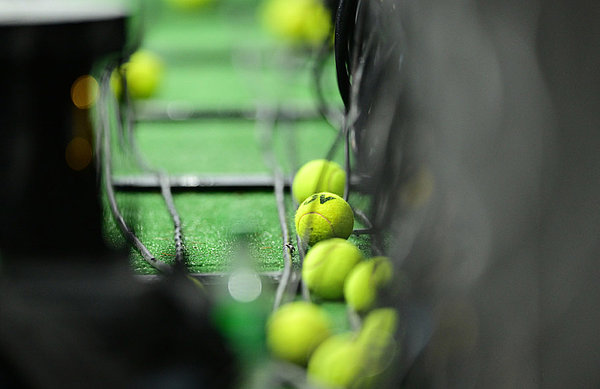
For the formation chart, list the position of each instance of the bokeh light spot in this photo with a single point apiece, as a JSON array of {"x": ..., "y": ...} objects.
[
  {"x": 78, "y": 153},
  {"x": 84, "y": 91},
  {"x": 244, "y": 286}
]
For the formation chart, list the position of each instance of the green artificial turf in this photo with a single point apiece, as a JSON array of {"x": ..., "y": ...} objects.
[
  {"x": 246, "y": 78},
  {"x": 224, "y": 25},
  {"x": 221, "y": 56},
  {"x": 225, "y": 147},
  {"x": 213, "y": 225}
]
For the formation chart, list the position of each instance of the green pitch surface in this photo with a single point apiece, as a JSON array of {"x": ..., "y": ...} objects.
[{"x": 220, "y": 58}]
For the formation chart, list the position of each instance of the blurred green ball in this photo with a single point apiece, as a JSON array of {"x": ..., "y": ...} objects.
[
  {"x": 296, "y": 329},
  {"x": 319, "y": 175},
  {"x": 326, "y": 266},
  {"x": 337, "y": 362},
  {"x": 360, "y": 288},
  {"x": 299, "y": 22},
  {"x": 144, "y": 73}
]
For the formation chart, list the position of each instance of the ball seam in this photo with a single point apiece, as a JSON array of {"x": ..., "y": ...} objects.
[{"x": 317, "y": 213}]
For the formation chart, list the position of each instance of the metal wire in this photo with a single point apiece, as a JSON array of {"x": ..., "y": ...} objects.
[
  {"x": 178, "y": 111},
  {"x": 104, "y": 128},
  {"x": 161, "y": 176},
  {"x": 293, "y": 163},
  {"x": 301, "y": 254},
  {"x": 265, "y": 125},
  {"x": 177, "y": 230},
  {"x": 288, "y": 247},
  {"x": 344, "y": 25},
  {"x": 332, "y": 116}
]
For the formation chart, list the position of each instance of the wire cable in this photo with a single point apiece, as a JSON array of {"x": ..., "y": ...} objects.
[
  {"x": 162, "y": 177},
  {"x": 266, "y": 124},
  {"x": 104, "y": 128},
  {"x": 331, "y": 115},
  {"x": 344, "y": 22}
]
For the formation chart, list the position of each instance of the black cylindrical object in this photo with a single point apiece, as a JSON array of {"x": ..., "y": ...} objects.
[{"x": 47, "y": 208}]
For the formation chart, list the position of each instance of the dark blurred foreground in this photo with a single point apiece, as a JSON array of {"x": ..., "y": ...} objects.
[
  {"x": 98, "y": 327},
  {"x": 487, "y": 118}
]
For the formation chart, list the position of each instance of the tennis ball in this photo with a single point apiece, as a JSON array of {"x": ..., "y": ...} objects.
[
  {"x": 143, "y": 72},
  {"x": 337, "y": 362},
  {"x": 319, "y": 175},
  {"x": 326, "y": 266},
  {"x": 356, "y": 360},
  {"x": 360, "y": 288},
  {"x": 298, "y": 22},
  {"x": 379, "y": 324},
  {"x": 376, "y": 340},
  {"x": 322, "y": 216},
  {"x": 296, "y": 329}
]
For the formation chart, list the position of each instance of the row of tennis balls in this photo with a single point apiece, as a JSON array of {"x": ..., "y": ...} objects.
[
  {"x": 333, "y": 268},
  {"x": 301, "y": 332}
]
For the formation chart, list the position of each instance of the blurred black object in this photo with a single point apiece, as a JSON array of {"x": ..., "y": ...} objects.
[
  {"x": 48, "y": 209},
  {"x": 96, "y": 327},
  {"x": 479, "y": 124}
]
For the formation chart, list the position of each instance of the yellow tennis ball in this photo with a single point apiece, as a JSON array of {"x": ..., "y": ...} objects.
[
  {"x": 322, "y": 216},
  {"x": 326, "y": 266},
  {"x": 143, "y": 72},
  {"x": 296, "y": 329},
  {"x": 379, "y": 324},
  {"x": 356, "y": 360},
  {"x": 337, "y": 362},
  {"x": 319, "y": 175},
  {"x": 298, "y": 22},
  {"x": 376, "y": 340},
  {"x": 360, "y": 288}
]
